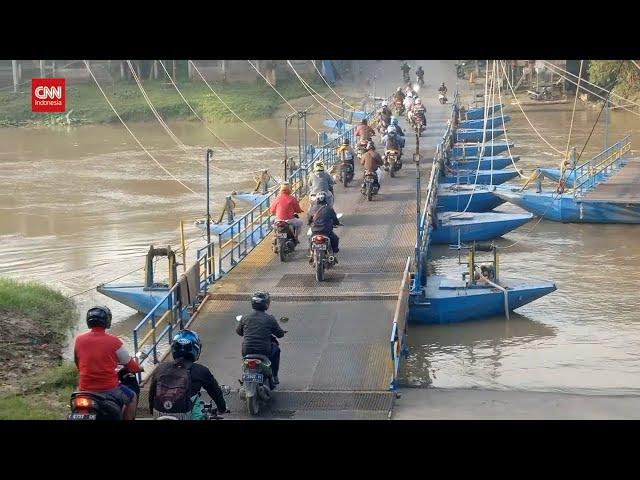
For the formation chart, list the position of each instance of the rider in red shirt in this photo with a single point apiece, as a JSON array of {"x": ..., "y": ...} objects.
[
  {"x": 97, "y": 354},
  {"x": 285, "y": 206}
]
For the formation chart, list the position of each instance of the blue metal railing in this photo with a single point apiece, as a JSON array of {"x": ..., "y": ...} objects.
[
  {"x": 610, "y": 159},
  {"x": 399, "y": 326}
]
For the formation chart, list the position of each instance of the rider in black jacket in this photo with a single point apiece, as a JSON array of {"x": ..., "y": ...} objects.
[{"x": 258, "y": 329}]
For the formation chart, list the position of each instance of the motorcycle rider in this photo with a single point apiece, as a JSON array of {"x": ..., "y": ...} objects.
[
  {"x": 399, "y": 95},
  {"x": 442, "y": 89},
  {"x": 185, "y": 349},
  {"x": 285, "y": 206},
  {"x": 418, "y": 109},
  {"x": 420, "y": 75},
  {"x": 322, "y": 218},
  {"x": 392, "y": 141},
  {"x": 97, "y": 354},
  {"x": 405, "y": 70},
  {"x": 408, "y": 102},
  {"x": 372, "y": 161},
  {"x": 346, "y": 153},
  {"x": 395, "y": 127},
  {"x": 321, "y": 181},
  {"x": 364, "y": 132},
  {"x": 258, "y": 329}
]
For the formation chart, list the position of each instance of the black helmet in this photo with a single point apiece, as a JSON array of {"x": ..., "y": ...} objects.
[
  {"x": 99, "y": 316},
  {"x": 260, "y": 301},
  {"x": 345, "y": 141},
  {"x": 364, "y": 121},
  {"x": 371, "y": 146},
  {"x": 186, "y": 344}
]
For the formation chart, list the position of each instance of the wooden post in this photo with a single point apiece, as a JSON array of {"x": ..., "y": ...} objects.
[
  {"x": 225, "y": 68},
  {"x": 138, "y": 69},
  {"x": 174, "y": 70},
  {"x": 14, "y": 68},
  {"x": 19, "y": 72},
  {"x": 189, "y": 70},
  {"x": 53, "y": 68},
  {"x": 41, "y": 68},
  {"x": 122, "y": 73},
  {"x": 155, "y": 69}
]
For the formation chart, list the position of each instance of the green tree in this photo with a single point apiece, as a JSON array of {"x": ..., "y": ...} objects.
[{"x": 604, "y": 73}]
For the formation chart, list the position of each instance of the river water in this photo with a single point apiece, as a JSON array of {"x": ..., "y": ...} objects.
[{"x": 81, "y": 206}]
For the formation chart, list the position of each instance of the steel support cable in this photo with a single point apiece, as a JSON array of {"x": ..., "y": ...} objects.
[
  {"x": 506, "y": 138},
  {"x": 166, "y": 128},
  {"x": 616, "y": 105},
  {"x": 575, "y": 101},
  {"x": 327, "y": 83},
  {"x": 226, "y": 145},
  {"x": 281, "y": 96},
  {"x": 600, "y": 113},
  {"x": 481, "y": 150},
  {"x": 312, "y": 95},
  {"x": 230, "y": 110},
  {"x": 314, "y": 90},
  {"x": 513, "y": 93},
  {"x": 589, "y": 83},
  {"x": 132, "y": 134}
]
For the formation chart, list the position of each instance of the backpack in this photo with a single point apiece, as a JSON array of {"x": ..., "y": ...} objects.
[{"x": 173, "y": 384}]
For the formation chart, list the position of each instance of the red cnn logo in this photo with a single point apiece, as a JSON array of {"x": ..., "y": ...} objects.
[{"x": 48, "y": 95}]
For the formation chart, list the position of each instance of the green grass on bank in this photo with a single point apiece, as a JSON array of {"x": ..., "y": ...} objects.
[
  {"x": 45, "y": 396},
  {"x": 45, "y": 306},
  {"x": 251, "y": 101}
]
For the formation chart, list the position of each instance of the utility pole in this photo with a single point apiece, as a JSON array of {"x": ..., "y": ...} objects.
[
  {"x": 209, "y": 246},
  {"x": 14, "y": 68},
  {"x": 41, "y": 68},
  {"x": 606, "y": 123}
]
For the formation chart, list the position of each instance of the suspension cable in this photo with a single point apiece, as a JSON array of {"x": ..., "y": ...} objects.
[
  {"x": 310, "y": 93},
  {"x": 327, "y": 83},
  {"x": 505, "y": 129},
  {"x": 575, "y": 101},
  {"x": 166, "y": 128},
  {"x": 226, "y": 145},
  {"x": 525, "y": 115},
  {"x": 86, "y": 63},
  {"x": 230, "y": 110},
  {"x": 281, "y": 96}
]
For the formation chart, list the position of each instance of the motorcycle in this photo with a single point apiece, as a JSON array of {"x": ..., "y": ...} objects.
[
  {"x": 257, "y": 378},
  {"x": 96, "y": 406},
  {"x": 420, "y": 81},
  {"x": 209, "y": 410},
  {"x": 284, "y": 240},
  {"x": 361, "y": 149},
  {"x": 406, "y": 77},
  {"x": 398, "y": 107},
  {"x": 442, "y": 99},
  {"x": 346, "y": 172},
  {"x": 545, "y": 94},
  {"x": 460, "y": 69},
  {"x": 322, "y": 253},
  {"x": 370, "y": 186},
  {"x": 392, "y": 162},
  {"x": 419, "y": 122}
]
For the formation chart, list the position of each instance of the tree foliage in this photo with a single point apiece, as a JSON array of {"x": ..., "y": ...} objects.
[{"x": 604, "y": 73}]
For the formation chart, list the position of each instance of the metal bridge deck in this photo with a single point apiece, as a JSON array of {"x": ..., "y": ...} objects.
[
  {"x": 622, "y": 187},
  {"x": 338, "y": 333}
]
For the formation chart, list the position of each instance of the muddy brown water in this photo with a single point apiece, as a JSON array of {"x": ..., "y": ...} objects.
[{"x": 80, "y": 206}]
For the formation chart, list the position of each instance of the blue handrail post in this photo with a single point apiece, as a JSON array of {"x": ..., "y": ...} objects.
[{"x": 208, "y": 160}]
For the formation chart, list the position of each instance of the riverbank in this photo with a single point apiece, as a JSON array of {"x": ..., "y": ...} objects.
[
  {"x": 34, "y": 323},
  {"x": 86, "y": 105}
]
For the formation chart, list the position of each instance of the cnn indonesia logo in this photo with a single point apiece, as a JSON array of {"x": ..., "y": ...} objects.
[{"x": 48, "y": 95}]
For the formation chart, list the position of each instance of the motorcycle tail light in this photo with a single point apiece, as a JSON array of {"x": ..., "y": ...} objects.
[
  {"x": 82, "y": 403},
  {"x": 318, "y": 239},
  {"x": 252, "y": 363}
]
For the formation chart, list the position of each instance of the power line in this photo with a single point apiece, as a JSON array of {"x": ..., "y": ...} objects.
[
  {"x": 131, "y": 133},
  {"x": 230, "y": 110},
  {"x": 192, "y": 110}
]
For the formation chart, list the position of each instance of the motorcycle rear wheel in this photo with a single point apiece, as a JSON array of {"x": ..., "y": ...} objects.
[
  {"x": 253, "y": 405},
  {"x": 319, "y": 269},
  {"x": 281, "y": 251}
]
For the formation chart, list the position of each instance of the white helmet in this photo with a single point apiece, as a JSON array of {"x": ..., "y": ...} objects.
[
  {"x": 410, "y": 95},
  {"x": 385, "y": 103},
  {"x": 391, "y": 129},
  {"x": 418, "y": 101}
]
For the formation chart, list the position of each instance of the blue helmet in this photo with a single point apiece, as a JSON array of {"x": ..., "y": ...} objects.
[
  {"x": 186, "y": 344},
  {"x": 394, "y": 120}
]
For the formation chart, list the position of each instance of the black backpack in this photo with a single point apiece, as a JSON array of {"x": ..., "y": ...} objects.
[{"x": 173, "y": 384}]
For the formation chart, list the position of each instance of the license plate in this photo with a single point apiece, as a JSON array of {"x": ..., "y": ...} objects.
[
  {"x": 320, "y": 246},
  {"x": 252, "y": 377},
  {"x": 282, "y": 235},
  {"x": 82, "y": 416}
]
